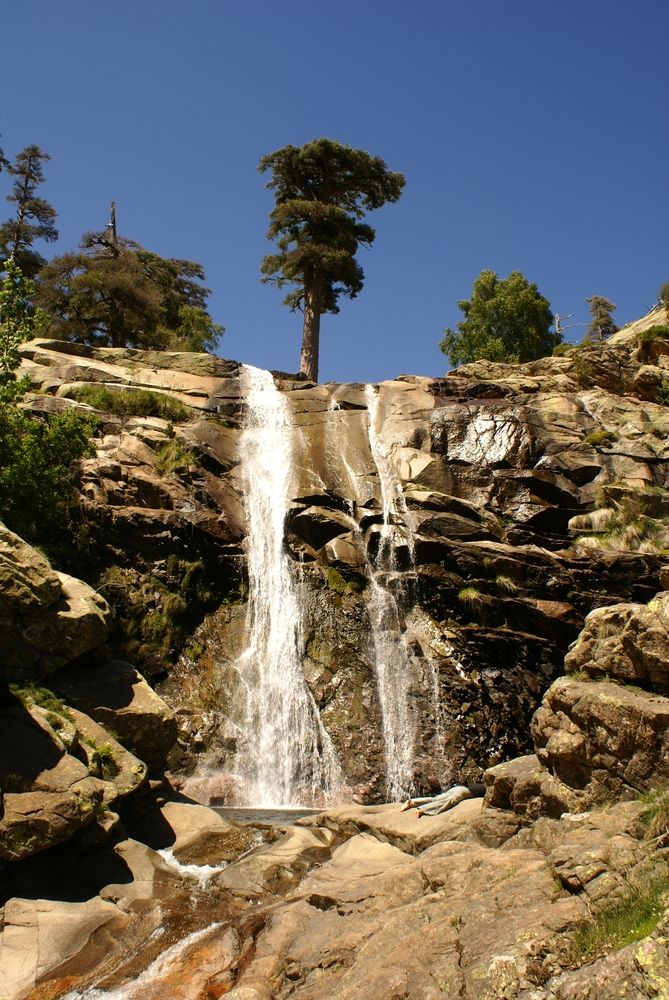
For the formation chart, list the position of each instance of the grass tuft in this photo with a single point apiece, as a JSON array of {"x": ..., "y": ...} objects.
[
  {"x": 469, "y": 596},
  {"x": 129, "y": 402},
  {"x": 631, "y": 918}
]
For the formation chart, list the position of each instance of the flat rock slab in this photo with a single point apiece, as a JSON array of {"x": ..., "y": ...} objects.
[
  {"x": 40, "y": 936},
  {"x": 406, "y": 830}
]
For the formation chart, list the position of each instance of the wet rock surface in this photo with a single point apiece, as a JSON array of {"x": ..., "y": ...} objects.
[
  {"x": 527, "y": 515},
  {"x": 356, "y": 901},
  {"x": 524, "y": 498}
]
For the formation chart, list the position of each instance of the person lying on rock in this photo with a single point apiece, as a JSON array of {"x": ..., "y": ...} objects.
[{"x": 432, "y": 805}]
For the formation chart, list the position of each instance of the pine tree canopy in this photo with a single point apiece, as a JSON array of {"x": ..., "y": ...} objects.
[
  {"x": 506, "y": 319},
  {"x": 322, "y": 191},
  {"x": 602, "y": 323},
  {"x": 115, "y": 293},
  {"x": 34, "y": 219}
]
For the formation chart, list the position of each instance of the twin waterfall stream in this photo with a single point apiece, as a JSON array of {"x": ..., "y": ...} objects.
[{"x": 285, "y": 756}]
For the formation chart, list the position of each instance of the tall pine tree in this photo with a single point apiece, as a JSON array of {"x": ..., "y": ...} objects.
[
  {"x": 602, "y": 323},
  {"x": 322, "y": 191},
  {"x": 35, "y": 217}
]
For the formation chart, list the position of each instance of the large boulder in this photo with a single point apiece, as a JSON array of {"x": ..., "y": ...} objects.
[
  {"x": 59, "y": 772},
  {"x": 44, "y": 938},
  {"x": 602, "y": 740},
  {"x": 117, "y": 696},
  {"x": 47, "y": 619},
  {"x": 625, "y": 642},
  {"x": 193, "y": 833}
]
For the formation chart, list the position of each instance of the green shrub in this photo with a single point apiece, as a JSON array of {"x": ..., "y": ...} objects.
[
  {"x": 505, "y": 584},
  {"x": 33, "y": 694},
  {"x": 171, "y": 455},
  {"x": 663, "y": 392},
  {"x": 102, "y": 759},
  {"x": 35, "y": 476},
  {"x": 562, "y": 349},
  {"x": 469, "y": 596},
  {"x": 129, "y": 402},
  {"x": 653, "y": 333}
]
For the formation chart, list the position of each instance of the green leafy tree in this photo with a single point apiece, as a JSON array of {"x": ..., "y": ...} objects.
[
  {"x": 19, "y": 322},
  {"x": 34, "y": 218},
  {"x": 506, "y": 319},
  {"x": 602, "y": 323},
  {"x": 322, "y": 191},
  {"x": 115, "y": 293},
  {"x": 35, "y": 454}
]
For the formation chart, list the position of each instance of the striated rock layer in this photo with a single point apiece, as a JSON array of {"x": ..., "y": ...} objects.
[
  {"x": 516, "y": 500},
  {"x": 502, "y": 512}
]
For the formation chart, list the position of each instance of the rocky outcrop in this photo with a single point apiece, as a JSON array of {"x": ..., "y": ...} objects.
[
  {"x": 63, "y": 770},
  {"x": 601, "y": 732},
  {"x": 352, "y": 902},
  {"x": 116, "y": 695},
  {"x": 47, "y": 619},
  {"x": 530, "y": 510},
  {"x": 525, "y": 497},
  {"x": 59, "y": 772}
]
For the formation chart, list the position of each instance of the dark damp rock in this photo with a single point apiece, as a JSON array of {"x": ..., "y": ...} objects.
[
  {"x": 117, "y": 696},
  {"x": 317, "y": 525}
]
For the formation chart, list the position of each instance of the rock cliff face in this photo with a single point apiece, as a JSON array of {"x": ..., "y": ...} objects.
[
  {"x": 488, "y": 511},
  {"x": 480, "y": 568}
]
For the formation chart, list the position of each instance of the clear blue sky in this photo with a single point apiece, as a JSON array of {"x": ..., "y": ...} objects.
[{"x": 534, "y": 135}]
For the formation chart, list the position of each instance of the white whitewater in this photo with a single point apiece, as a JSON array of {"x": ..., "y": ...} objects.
[
  {"x": 285, "y": 756},
  {"x": 391, "y": 654},
  {"x": 145, "y": 985}
]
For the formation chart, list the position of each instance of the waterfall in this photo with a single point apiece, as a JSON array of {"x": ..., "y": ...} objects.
[
  {"x": 392, "y": 659},
  {"x": 285, "y": 756}
]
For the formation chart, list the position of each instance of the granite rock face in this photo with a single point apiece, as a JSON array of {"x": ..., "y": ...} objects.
[
  {"x": 525, "y": 497},
  {"x": 59, "y": 772},
  {"x": 61, "y": 769},
  {"x": 601, "y": 733},
  {"x": 47, "y": 619}
]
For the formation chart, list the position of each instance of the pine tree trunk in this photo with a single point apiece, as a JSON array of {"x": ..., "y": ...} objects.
[{"x": 312, "y": 327}]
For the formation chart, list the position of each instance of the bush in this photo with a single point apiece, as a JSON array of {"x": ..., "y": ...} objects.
[
  {"x": 35, "y": 460},
  {"x": 172, "y": 455},
  {"x": 469, "y": 596},
  {"x": 660, "y": 331},
  {"x": 663, "y": 392},
  {"x": 33, "y": 694},
  {"x": 35, "y": 454},
  {"x": 129, "y": 402}
]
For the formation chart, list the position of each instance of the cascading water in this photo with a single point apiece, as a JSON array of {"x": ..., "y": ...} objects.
[
  {"x": 284, "y": 756},
  {"x": 391, "y": 654}
]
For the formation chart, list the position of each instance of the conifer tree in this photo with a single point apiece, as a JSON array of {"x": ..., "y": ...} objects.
[
  {"x": 602, "y": 323},
  {"x": 322, "y": 191},
  {"x": 506, "y": 319},
  {"x": 35, "y": 217},
  {"x": 115, "y": 293}
]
